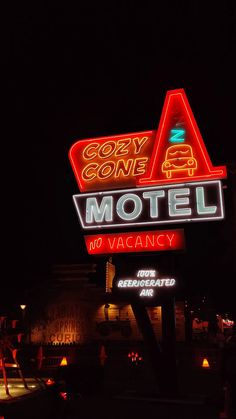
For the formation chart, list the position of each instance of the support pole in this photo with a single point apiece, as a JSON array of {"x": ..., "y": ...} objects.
[
  {"x": 170, "y": 379},
  {"x": 152, "y": 346}
]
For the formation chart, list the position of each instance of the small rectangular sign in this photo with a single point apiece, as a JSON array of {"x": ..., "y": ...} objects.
[
  {"x": 142, "y": 241},
  {"x": 180, "y": 203}
]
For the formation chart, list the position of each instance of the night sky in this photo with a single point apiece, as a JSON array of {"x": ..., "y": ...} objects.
[{"x": 100, "y": 70}]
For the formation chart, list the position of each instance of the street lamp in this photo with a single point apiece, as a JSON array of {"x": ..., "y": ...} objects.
[
  {"x": 26, "y": 324},
  {"x": 23, "y": 307}
]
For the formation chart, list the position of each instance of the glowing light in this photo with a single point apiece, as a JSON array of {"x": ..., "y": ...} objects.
[
  {"x": 145, "y": 241},
  {"x": 205, "y": 363},
  {"x": 146, "y": 273},
  {"x": 23, "y": 306},
  {"x": 63, "y": 395},
  {"x": 177, "y": 135},
  {"x": 10, "y": 365},
  {"x": 145, "y": 287},
  {"x": 123, "y": 168},
  {"x": 63, "y": 362},
  {"x": 134, "y": 283},
  {"x": 135, "y": 357},
  {"x": 179, "y": 158},
  {"x": 111, "y": 161},
  {"x": 136, "y": 158},
  {"x": 152, "y": 205},
  {"x": 50, "y": 382},
  {"x": 199, "y": 166}
]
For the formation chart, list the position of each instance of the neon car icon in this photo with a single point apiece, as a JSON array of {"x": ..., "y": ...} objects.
[{"x": 179, "y": 158}]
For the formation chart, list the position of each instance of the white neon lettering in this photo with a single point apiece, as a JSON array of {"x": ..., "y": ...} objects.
[
  {"x": 123, "y": 200},
  {"x": 201, "y": 207},
  {"x": 146, "y": 293},
  {"x": 193, "y": 206},
  {"x": 175, "y": 200},
  {"x": 146, "y": 283},
  {"x": 146, "y": 273},
  {"x": 153, "y": 196},
  {"x": 99, "y": 214}
]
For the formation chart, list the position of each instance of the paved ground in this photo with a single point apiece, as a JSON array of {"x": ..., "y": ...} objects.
[
  {"x": 45, "y": 406},
  {"x": 16, "y": 388},
  {"x": 122, "y": 395}
]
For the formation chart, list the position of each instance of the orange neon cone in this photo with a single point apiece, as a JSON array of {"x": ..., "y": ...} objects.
[{"x": 205, "y": 363}]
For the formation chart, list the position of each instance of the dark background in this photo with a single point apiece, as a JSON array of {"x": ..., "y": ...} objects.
[{"x": 103, "y": 69}]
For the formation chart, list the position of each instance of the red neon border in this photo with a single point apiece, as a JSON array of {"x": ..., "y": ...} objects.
[
  {"x": 150, "y": 178},
  {"x": 81, "y": 143},
  {"x": 212, "y": 172}
]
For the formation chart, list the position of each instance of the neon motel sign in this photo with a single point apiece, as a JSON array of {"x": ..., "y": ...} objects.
[{"x": 148, "y": 178}]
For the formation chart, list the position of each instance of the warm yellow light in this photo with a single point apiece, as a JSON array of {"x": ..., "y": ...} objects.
[
  {"x": 63, "y": 361},
  {"x": 205, "y": 363},
  {"x": 23, "y": 306}
]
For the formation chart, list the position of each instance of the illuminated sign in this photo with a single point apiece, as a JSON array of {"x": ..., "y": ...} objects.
[
  {"x": 143, "y": 241},
  {"x": 175, "y": 153},
  {"x": 147, "y": 178},
  {"x": 111, "y": 162},
  {"x": 179, "y": 153},
  {"x": 146, "y": 284},
  {"x": 195, "y": 201}
]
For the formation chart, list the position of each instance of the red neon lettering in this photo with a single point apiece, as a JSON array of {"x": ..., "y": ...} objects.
[
  {"x": 143, "y": 241},
  {"x": 158, "y": 240},
  {"x": 107, "y": 149},
  {"x": 139, "y": 143},
  {"x": 87, "y": 173},
  {"x": 122, "y": 147},
  {"x": 127, "y": 242},
  {"x": 86, "y": 152},
  {"x": 140, "y": 166},
  {"x": 128, "y": 155},
  {"x": 106, "y": 170}
]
